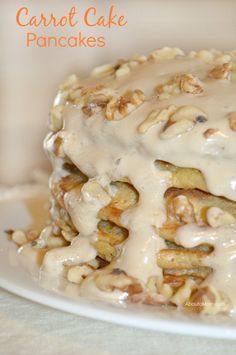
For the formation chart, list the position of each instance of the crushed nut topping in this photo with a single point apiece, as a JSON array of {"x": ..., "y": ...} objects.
[
  {"x": 19, "y": 237},
  {"x": 221, "y": 71},
  {"x": 138, "y": 58},
  {"x": 188, "y": 112},
  {"x": 184, "y": 292},
  {"x": 190, "y": 84},
  {"x": 154, "y": 117},
  {"x": 207, "y": 300},
  {"x": 119, "y": 108},
  {"x": 103, "y": 70},
  {"x": 205, "y": 55},
  {"x": 223, "y": 58},
  {"x": 123, "y": 70},
  {"x": 166, "y": 53},
  {"x": 156, "y": 285},
  {"x": 164, "y": 91},
  {"x": 182, "y": 120},
  {"x": 186, "y": 83},
  {"x": 173, "y": 129},
  {"x": 210, "y": 132},
  {"x": 57, "y": 147},
  {"x": 108, "y": 282},
  {"x": 78, "y": 273},
  {"x": 92, "y": 99}
]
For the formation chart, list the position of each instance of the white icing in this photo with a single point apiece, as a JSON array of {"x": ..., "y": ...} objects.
[
  {"x": 83, "y": 207},
  {"x": 80, "y": 251}
]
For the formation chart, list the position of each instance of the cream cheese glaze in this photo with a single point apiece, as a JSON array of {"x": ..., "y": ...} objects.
[
  {"x": 222, "y": 259},
  {"x": 107, "y": 151}
]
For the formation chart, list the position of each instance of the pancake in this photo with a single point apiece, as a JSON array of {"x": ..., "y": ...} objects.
[{"x": 143, "y": 181}]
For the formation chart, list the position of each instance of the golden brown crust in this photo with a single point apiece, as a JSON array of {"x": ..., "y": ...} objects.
[
  {"x": 184, "y": 178},
  {"x": 180, "y": 258}
]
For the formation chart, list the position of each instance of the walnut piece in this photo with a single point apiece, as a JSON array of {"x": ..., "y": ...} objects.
[
  {"x": 166, "y": 53},
  {"x": 186, "y": 83},
  {"x": 103, "y": 70},
  {"x": 210, "y": 132},
  {"x": 109, "y": 281},
  {"x": 220, "y": 72},
  {"x": 182, "y": 120},
  {"x": 190, "y": 84},
  {"x": 119, "y": 108},
  {"x": 154, "y": 117}
]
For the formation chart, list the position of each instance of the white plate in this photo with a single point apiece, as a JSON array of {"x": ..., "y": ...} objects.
[{"x": 16, "y": 279}]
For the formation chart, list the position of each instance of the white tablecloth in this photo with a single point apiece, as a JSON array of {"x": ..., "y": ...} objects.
[{"x": 29, "y": 328}]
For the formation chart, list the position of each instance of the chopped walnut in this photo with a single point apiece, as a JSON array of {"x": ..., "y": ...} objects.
[
  {"x": 93, "y": 99},
  {"x": 66, "y": 230},
  {"x": 186, "y": 83},
  {"x": 166, "y": 53},
  {"x": 207, "y": 300},
  {"x": 190, "y": 84},
  {"x": 96, "y": 104},
  {"x": 138, "y": 58},
  {"x": 108, "y": 282},
  {"x": 188, "y": 112},
  {"x": 184, "y": 292},
  {"x": 78, "y": 273},
  {"x": 19, "y": 237},
  {"x": 210, "y": 132},
  {"x": 182, "y": 120},
  {"x": 119, "y": 108},
  {"x": 156, "y": 285},
  {"x": 223, "y": 58},
  {"x": 32, "y": 235},
  {"x": 154, "y": 117},
  {"x": 173, "y": 129},
  {"x": 103, "y": 70},
  {"x": 57, "y": 147},
  {"x": 205, "y": 55},
  {"x": 123, "y": 70},
  {"x": 171, "y": 87},
  {"x": 221, "y": 71}
]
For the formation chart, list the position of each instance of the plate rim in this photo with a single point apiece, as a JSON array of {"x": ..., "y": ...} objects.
[{"x": 63, "y": 303}]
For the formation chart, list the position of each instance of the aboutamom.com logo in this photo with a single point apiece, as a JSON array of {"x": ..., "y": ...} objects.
[{"x": 204, "y": 304}]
